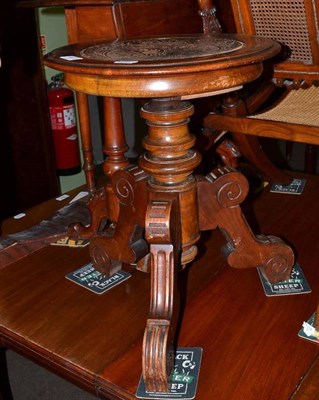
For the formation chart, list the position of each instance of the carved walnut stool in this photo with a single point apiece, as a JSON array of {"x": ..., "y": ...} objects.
[{"x": 159, "y": 207}]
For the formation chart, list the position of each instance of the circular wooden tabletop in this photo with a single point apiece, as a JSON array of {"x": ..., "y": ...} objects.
[{"x": 162, "y": 66}]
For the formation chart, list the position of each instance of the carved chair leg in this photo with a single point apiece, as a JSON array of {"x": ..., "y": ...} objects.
[
  {"x": 251, "y": 148},
  {"x": 158, "y": 350},
  {"x": 86, "y": 139},
  {"x": 219, "y": 196}
]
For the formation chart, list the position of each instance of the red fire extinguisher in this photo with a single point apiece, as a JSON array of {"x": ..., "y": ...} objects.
[{"x": 63, "y": 123}]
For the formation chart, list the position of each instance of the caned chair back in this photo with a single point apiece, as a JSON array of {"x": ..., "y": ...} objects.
[{"x": 293, "y": 23}]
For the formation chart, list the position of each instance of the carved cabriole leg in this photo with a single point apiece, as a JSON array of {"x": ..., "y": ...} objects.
[
  {"x": 220, "y": 194},
  {"x": 169, "y": 161},
  {"x": 126, "y": 243},
  {"x": 103, "y": 203},
  {"x": 162, "y": 233}
]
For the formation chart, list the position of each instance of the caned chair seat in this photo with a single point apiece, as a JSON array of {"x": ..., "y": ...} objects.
[
  {"x": 294, "y": 118},
  {"x": 298, "y": 107}
]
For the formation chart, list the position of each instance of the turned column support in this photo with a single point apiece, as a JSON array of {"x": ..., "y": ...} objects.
[{"x": 170, "y": 160}]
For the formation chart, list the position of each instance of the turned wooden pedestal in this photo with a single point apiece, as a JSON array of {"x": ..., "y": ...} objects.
[{"x": 151, "y": 214}]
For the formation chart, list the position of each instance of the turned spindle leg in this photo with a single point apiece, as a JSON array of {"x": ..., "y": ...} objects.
[
  {"x": 103, "y": 203},
  {"x": 115, "y": 145},
  {"x": 86, "y": 139}
]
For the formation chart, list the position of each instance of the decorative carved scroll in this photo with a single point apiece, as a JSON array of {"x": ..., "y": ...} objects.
[
  {"x": 126, "y": 243},
  {"x": 220, "y": 194}
]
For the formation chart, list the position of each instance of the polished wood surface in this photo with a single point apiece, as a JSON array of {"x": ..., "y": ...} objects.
[
  {"x": 161, "y": 76},
  {"x": 251, "y": 348},
  {"x": 108, "y": 20},
  {"x": 161, "y": 195}
]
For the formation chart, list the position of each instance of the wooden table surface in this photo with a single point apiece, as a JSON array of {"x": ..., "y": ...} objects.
[{"x": 250, "y": 345}]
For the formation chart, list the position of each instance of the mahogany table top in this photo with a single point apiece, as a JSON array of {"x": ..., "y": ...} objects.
[{"x": 250, "y": 345}]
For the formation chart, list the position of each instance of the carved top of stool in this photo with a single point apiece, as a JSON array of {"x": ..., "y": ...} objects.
[
  {"x": 180, "y": 65},
  {"x": 158, "y": 49},
  {"x": 156, "y": 52}
]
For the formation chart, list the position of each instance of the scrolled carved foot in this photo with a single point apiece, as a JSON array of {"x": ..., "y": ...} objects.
[
  {"x": 220, "y": 195},
  {"x": 270, "y": 253},
  {"x": 101, "y": 260},
  {"x": 158, "y": 356},
  {"x": 278, "y": 259}
]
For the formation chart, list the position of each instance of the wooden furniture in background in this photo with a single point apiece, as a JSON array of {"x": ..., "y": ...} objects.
[
  {"x": 161, "y": 196},
  {"x": 27, "y": 165},
  {"x": 294, "y": 115}
]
